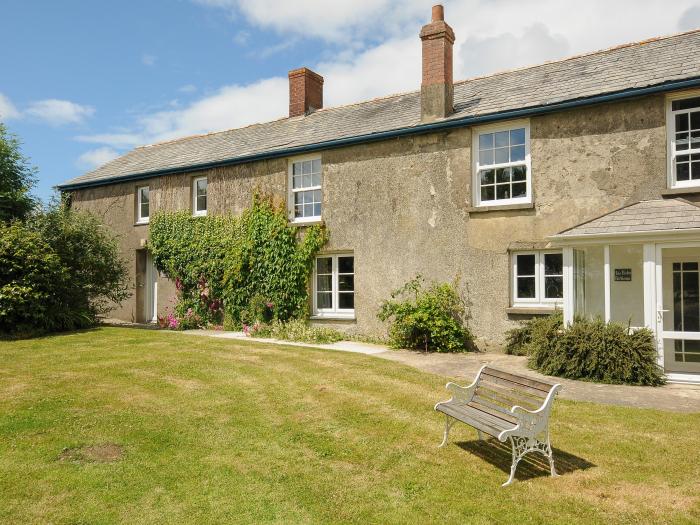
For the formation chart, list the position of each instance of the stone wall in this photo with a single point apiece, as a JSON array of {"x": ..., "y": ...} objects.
[{"x": 404, "y": 206}]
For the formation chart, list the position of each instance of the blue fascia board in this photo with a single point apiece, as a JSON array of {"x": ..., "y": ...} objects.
[{"x": 400, "y": 132}]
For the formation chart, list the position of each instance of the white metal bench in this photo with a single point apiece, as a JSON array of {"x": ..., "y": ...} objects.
[{"x": 505, "y": 406}]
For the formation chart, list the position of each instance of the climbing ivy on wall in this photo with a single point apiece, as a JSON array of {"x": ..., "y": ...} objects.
[{"x": 223, "y": 266}]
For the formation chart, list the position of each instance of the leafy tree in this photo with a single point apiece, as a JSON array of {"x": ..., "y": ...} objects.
[{"x": 17, "y": 177}]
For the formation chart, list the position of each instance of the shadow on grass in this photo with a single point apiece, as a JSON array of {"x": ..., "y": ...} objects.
[
  {"x": 533, "y": 465},
  {"x": 37, "y": 335}
]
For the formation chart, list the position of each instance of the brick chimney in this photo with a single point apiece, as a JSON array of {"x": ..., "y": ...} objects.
[
  {"x": 437, "y": 91},
  {"x": 305, "y": 91}
]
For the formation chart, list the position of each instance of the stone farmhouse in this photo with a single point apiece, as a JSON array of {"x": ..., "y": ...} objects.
[{"x": 572, "y": 184}]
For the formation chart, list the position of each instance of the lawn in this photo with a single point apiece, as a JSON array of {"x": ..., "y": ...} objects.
[{"x": 131, "y": 426}]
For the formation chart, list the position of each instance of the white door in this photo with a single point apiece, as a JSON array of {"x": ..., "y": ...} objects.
[
  {"x": 678, "y": 315},
  {"x": 151, "y": 292}
]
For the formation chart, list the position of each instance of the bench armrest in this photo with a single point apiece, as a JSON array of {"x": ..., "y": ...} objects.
[
  {"x": 531, "y": 422},
  {"x": 461, "y": 394}
]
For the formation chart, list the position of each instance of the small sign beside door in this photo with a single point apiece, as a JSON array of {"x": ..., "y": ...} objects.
[{"x": 623, "y": 274}]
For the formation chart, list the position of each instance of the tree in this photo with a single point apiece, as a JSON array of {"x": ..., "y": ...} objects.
[{"x": 17, "y": 177}]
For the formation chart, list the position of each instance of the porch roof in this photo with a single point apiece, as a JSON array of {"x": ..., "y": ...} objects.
[{"x": 644, "y": 217}]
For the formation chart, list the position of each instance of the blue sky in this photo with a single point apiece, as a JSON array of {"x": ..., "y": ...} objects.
[{"x": 83, "y": 81}]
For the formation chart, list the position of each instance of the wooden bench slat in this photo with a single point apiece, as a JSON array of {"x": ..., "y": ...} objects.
[
  {"x": 514, "y": 387},
  {"x": 471, "y": 418},
  {"x": 522, "y": 380},
  {"x": 496, "y": 412},
  {"x": 504, "y": 397}
]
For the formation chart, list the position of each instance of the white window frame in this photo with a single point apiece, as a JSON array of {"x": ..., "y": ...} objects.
[
  {"x": 333, "y": 313},
  {"x": 476, "y": 182},
  {"x": 539, "y": 300},
  {"x": 671, "y": 140},
  {"x": 140, "y": 219},
  {"x": 291, "y": 191},
  {"x": 196, "y": 212}
]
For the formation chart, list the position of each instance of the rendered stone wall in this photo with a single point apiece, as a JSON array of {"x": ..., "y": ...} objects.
[{"x": 404, "y": 206}]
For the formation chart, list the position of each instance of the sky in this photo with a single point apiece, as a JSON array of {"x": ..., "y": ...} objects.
[{"x": 82, "y": 82}]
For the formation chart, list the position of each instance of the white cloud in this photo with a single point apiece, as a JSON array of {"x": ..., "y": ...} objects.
[
  {"x": 96, "y": 157},
  {"x": 116, "y": 140},
  {"x": 7, "y": 109},
  {"x": 690, "y": 19},
  {"x": 189, "y": 88},
  {"x": 148, "y": 60},
  {"x": 57, "y": 112},
  {"x": 241, "y": 37}
]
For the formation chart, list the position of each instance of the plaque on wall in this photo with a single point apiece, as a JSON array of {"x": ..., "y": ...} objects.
[{"x": 623, "y": 274}]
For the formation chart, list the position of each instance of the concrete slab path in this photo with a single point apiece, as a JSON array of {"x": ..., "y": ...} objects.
[{"x": 463, "y": 367}]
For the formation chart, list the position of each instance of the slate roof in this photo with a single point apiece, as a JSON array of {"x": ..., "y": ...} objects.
[
  {"x": 661, "y": 215},
  {"x": 644, "y": 64}
]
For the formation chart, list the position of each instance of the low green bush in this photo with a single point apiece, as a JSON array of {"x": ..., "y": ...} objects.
[
  {"x": 426, "y": 317},
  {"x": 518, "y": 339},
  {"x": 588, "y": 349},
  {"x": 297, "y": 330}
]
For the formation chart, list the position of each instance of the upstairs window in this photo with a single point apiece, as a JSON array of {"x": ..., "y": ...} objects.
[
  {"x": 142, "y": 204},
  {"x": 305, "y": 190},
  {"x": 684, "y": 143},
  {"x": 199, "y": 196},
  {"x": 334, "y": 286},
  {"x": 502, "y": 165},
  {"x": 538, "y": 278}
]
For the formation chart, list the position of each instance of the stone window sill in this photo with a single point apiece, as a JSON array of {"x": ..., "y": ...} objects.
[
  {"x": 534, "y": 310},
  {"x": 333, "y": 318},
  {"x": 680, "y": 191},
  {"x": 505, "y": 207}
]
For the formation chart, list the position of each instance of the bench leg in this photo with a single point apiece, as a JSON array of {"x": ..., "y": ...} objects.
[
  {"x": 550, "y": 456},
  {"x": 517, "y": 456},
  {"x": 448, "y": 425},
  {"x": 481, "y": 436}
]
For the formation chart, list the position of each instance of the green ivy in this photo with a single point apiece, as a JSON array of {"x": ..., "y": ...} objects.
[{"x": 225, "y": 266}]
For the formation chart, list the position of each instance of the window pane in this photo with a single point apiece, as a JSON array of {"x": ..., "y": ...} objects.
[
  {"x": 346, "y": 264},
  {"x": 296, "y": 181},
  {"x": 201, "y": 203},
  {"x": 519, "y": 190},
  {"x": 686, "y": 104},
  {"x": 346, "y": 301},
  {"x": 682, "y": 122},
  {"x": 298, "y": 210},
  {"x": 517, "y": 136},
  {"x": 308, "y": 210},
  {"x": 202, "y": 187},
  {"x": 503, "y": 192},
  {"x": 526, "y": 287},
  {"x": 503, "y": 175},
  {"x": 144, "y": 195},
  {"x": 324, "y": 283},
  {"x": 296, "y": 168},
  {"x": 682, "y": 171},
  {"x": 519, "y": 173},
  {"x": 306, "y": 167},
  {"x": 486, "y": 141},
  {"x": 324, "y": 265},
  {"x": 487, "y": 193},
  {"x": 501, "y": 155},
  {"x": 487, "y": 176},
  {"x": 694, "y": 120},
  {"x": 316, "y": 179},
  {"x": 501, "y": 139},
  {"x": 486, "y": 157},
  {"x": 299, "y": 198},
  {"x": 695, "y": 171},
  {"x": 554, "y": 287},
  {"x": 517, "y": 153},
  {"x": 346, "y": 283},
  {"x": 695, "y": 139},
  {"x": 144, "y": 210},
  {"x": 324, "y": 300},
  {"x": 553, "y": 263},
  {"x": 316, "y": 165},
  {"x": 526, "y": 264},
  {"x": 317, "y": 209},
  {"x": 306, "y": 180},
  {"x": 317, "y": 196}
]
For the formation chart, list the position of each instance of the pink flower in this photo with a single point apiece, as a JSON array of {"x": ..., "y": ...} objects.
[{"x": 270, "y": 305}]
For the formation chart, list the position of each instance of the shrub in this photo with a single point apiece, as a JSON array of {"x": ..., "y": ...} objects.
[
  {"x": 59, "y": 271},
  {"x": 428, "y": 318},
  {"x": 518, "y": 339},
  {"x": 230, "y": 268},
  {"x": 297, "y": 330},
  {"x": 588, "y": 349}
]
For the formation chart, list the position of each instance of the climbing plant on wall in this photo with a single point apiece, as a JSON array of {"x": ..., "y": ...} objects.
[{"x": 228, "y": 265}]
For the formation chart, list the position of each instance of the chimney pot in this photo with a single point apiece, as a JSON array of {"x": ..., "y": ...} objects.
[
  {"x": 305, "y": 91},
  {"x": 438, "y": 13}
]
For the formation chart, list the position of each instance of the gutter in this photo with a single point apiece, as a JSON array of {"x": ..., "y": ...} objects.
[{"x": 400, "y": 132}]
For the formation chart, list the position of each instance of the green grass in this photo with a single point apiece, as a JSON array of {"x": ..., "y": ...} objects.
[{"x": 228, "y": 431}]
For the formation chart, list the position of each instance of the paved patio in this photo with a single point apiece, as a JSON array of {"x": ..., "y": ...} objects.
[{"x": 463, "y": 367}]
